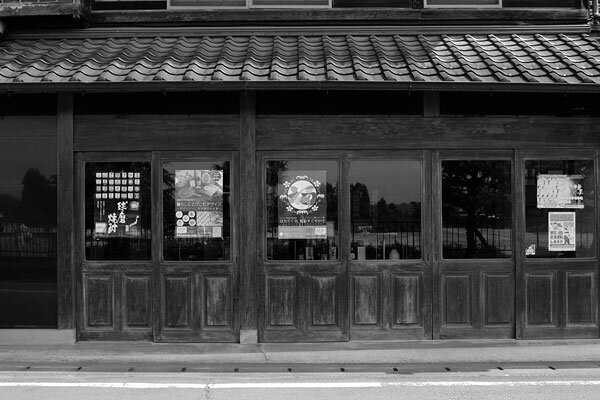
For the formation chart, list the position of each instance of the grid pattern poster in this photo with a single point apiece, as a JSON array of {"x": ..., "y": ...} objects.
[
  {"x": 302, "y": 205},
  {"x": 559, "y": 191},
  {"x": 199, "y": 203},
  {"x": 117, "y": 204}
]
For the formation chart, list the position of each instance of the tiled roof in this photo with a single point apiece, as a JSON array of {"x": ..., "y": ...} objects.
[{"x": 571, "y": 60}]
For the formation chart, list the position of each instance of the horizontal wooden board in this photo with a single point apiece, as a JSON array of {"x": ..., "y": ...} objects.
[
  {"x": 314, "y": 132},
  {"x": 109, "y": 133},
  {"x": 310, "y": 16}
]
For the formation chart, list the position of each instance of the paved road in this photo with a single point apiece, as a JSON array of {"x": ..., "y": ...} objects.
[{"x": 573, "y": 381}]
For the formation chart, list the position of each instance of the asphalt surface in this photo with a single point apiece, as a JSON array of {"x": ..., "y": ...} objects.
[
  {"x": 579, "y": 381},
  {"x": 462, "y": 369}
]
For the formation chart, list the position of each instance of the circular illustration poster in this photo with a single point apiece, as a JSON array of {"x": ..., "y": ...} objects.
[{"x": 302, "y": 205}]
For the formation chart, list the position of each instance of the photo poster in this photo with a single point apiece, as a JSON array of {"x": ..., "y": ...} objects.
[
  {"x": 302, "y": 205},
  {"x": 559, "y": 191},
  {"x": 199, "y": 203},
  {"x": 117, "y": 204},
  {"x": 561, "y": 231}
]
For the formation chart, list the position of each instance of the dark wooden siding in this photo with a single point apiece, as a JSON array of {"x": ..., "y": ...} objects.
[{"x": 320, "y": 132}]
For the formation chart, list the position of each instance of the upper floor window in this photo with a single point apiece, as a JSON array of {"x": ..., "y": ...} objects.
[
  {"x": 462, "y": 3},
  {"x": 219, "y": 4}
]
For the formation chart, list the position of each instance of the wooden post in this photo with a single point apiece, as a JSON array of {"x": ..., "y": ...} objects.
[
  {"x": 65, "y": 212},
  {"x": 248, "y": 277},
  {"x": 519, "y": 241},
  {"x": 431, "y": 104}
]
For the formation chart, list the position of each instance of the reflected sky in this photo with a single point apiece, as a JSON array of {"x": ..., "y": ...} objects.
[
  {"x": 396, "y": 181},
  {"x": 20, "y": 152}
]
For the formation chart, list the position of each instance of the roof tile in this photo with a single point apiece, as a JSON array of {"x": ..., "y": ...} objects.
[{"x": 542, "y": 58}]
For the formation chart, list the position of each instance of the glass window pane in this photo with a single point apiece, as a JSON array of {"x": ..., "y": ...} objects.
[
  {"x": 302, "y": 210},
  {"x": 559, "y": 208},
  {"x": 385, "y": 209},
  {"x": 196, "y": 211},
  {"x": 28, "y": 221},
  {"x": 118, "y": 211},
  {"x": 476, "y": 209}
]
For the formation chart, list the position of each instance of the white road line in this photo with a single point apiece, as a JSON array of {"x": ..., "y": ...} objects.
[{"x": 294, "y": 385}]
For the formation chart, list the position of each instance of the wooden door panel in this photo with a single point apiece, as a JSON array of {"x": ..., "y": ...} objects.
[
  {"x": 302, "y": 303},
  {"x": 541, "y": 298},
  {"x": 217, "y": 297},
  {"x": 457, "y": 297},
  {"x": 406, "y": 299},
  {"x": 99, "y": 301},
  {"x": 197, "y": 306},
  {"x": 390, "y": 302},
  {"x": 177, "y": 302},
  {"x": 282, "y": 302},
  {"x": 581, "y": 298},
  {"x": 137, "y": 301},
  {"x": 499, "y": 298},
  {"x": 562, "y": 301},
  {"x": 366, "y": 292},
  {"x": 324, "y": 305}
]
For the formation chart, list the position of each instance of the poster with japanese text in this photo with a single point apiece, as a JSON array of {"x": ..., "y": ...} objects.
[
  {"x": 302, "y": 205},
  {"x": 559, "y": 191},
  {"x": 561, "y": 231},
  {"x": 199, "y": 203},
  {"x": 117, "y": 204}
]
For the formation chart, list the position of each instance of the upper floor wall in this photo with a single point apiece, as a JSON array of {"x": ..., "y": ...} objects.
[
  {"x": 314, "y": 4},
  {"x": 78, "y": 9},
  {"x": 214, "y": 12}
]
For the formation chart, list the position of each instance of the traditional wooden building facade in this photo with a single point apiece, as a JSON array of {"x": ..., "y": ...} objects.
[{"x": 299, "y": 170}]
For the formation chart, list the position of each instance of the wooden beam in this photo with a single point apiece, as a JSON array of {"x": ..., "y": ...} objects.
[
  {"x": 378, "y": 132},
  {"x": 218, "y": 132},
  {"x": 248, "y": 262},
  {"x": 65, "y": 239}
]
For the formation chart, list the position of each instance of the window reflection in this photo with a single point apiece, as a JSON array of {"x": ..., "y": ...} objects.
[
  {"x": 559, "y": 196},
  {"x": 302, "y": 210},
  {"x": 196, "y": 212},
  {"x": 117, "y": 211},
  {"x": 385, "y": 209},
  {"x": 28, "y": 222},
  {"x": 476, "y": 209}
]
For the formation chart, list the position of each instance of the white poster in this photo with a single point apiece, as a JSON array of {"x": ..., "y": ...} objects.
[
  {"x": 559, "y": 191},
  {"x": 561, "y": 231}
]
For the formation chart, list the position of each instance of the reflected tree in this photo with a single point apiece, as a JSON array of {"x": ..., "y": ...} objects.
[
  {"x": 476, "y": 195},
  {"x": 38, "y": 198}
]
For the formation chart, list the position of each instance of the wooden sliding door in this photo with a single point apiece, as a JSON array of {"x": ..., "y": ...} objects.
[
  {"x": 302, "y": 251},
  {"x": 157, "y": 250},
  {"x": 390, "y": 246},
  {"x": 559, "y": 253},
  {"x": 474, "y": 267}
]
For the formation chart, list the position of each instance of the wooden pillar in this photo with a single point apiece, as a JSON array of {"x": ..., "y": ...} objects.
[
  {"x": 248, "y": 263},
  {"x": 431, "y": 104},
  {"x": 65, "y": 212},
  {"x": 519, "y": 240}
]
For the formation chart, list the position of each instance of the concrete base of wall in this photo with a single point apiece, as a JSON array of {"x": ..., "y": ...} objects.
[
  {"x": 36, "y": 336},
  {"x": 249, "y": 336}
]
